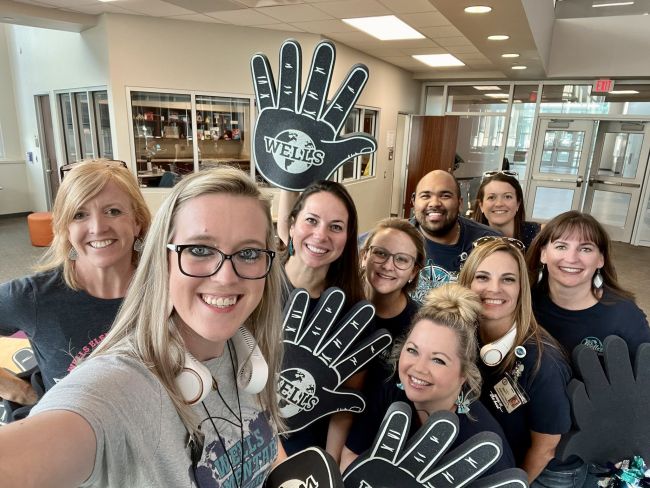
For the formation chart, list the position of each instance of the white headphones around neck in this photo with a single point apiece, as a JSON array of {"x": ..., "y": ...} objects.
[
  {"x": 195, "y": 380},
  {"x": 494, "y": 352}
]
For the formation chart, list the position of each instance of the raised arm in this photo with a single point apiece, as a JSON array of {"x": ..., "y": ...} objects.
[
  {"x": 16, "y": 390},
  {"x": 62, "y": 442},
  {"x": 540, "y": 452}
]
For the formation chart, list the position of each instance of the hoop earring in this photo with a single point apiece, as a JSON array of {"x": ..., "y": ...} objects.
[
  {"x": 598, "y": 280},
  {"x": 138, "y": 245},
  {"x": 73, "y": 254},
  {"x": 462, "y": 403},
  {"x": 540, "y": 273},
  {"x": 292, "y": 251}
]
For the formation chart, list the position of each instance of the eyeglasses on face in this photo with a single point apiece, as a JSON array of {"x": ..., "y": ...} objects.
[
  {"x": 508, "y": 240},
  {"x": 505, "y": 172},
  {"x": 401, "y": 260},
  {"x": 200, "y": 261}
]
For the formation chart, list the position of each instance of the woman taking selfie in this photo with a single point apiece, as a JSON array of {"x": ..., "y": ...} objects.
[{"x": 164, "y": 400}]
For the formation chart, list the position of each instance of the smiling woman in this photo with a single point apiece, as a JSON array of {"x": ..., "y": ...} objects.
[{"x": 99, "y": 221}]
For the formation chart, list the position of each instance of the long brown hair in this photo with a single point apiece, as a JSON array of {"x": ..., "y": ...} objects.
[
  {"x": 586, "y": 228},
  {"x": 344, "y": 272},
  {"x": 527, "y": 327},
  {"x": 520, "y": 216}
]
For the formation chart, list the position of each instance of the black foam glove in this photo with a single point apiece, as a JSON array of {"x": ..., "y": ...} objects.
[
  {"x": 610, "y": 404},
  {"x": 311, "y": 468},
  {"x": 321, "y": 353},
  {"x": 391, "y": 461},
  {"x": 296, "y": 138}
]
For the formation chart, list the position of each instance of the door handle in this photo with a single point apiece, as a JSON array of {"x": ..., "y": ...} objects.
[{"x": 579, "y": 181}]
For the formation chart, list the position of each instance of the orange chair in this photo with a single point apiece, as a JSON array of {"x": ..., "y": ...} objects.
[{"x": 40, "y": 228}]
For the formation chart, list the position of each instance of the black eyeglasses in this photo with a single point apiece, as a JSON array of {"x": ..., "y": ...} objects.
[
  {"x": 508, "y": 240},
  {"x": 199, "y": 261},
  {"x": 506, "y": 172},
  {"x": 401, "y": 260}
]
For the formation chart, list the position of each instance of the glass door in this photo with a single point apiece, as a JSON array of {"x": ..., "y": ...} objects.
[
  {"x": 616, "y": 176},
  {"x": 559, "y": 164}
]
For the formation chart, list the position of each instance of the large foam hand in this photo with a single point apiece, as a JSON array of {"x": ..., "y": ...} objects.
[
  {"x": 391, "y": 461},
  {"x": 297, "y": 137},
  {"x": 321, "y": 353},
  {"x": 610, "y": 404}
]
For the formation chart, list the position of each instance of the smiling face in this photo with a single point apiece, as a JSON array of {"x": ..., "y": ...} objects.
[
  {"x": 499, "y": 204},
  {"x": 497, "y": 283},
  {"x": 319, "y": 232},
  {"x": 386, "y": 278},
  {"x": 103, "y": 230},
  {"x": 571, "y": 261},
  {"x": 430, "y": 367},
  {"x": 436, "y": 204},
  {"x": 210, "y": 310}
]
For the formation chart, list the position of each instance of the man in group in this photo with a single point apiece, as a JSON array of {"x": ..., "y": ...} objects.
[{"x": 448, "y": 236}]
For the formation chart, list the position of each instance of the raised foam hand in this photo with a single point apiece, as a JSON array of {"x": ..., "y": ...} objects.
[
  {"x": 322, "y": 352},
  {"x": 421, "y": 462},
  {"x": 297, "y": 136}
]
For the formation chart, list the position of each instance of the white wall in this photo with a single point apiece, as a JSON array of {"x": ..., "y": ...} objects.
[{"x": 42, "y": 62}]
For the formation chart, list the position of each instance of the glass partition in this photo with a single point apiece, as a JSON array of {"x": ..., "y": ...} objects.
[
  {"x": 83, "y": 120},
  {"x": 478, "y": 98},
  {"x": 520, "y": 132},
  {"x": 103, "y": 125},
  {"x": 68, "y": 128}
]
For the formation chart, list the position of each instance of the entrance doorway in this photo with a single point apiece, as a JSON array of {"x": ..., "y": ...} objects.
[
  {"x": 593, "y": 166},
  {"x": 48, "y": 151}
]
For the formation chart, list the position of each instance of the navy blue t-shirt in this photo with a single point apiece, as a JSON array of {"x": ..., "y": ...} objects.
[
  {"x": 612, "y": 315},
  {"x": 528, "y": 232},
  {"x": 548, "y": 410},
  {"x": 445, "y": 261},
  {"x": 366, "y": 424}
]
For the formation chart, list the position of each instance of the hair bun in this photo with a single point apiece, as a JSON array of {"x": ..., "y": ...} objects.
[{"x": 453, "y": 299}]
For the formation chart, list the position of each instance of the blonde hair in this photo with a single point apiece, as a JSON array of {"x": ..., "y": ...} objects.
[
  {"x": 80, "y": 185},
  {"x": 151, "y": 335},
  {"x": 457, "y": 308},
  {"x": 527, "y": 327}
]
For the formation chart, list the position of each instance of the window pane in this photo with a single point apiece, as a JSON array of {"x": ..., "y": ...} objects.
[
  {"x": 347, "y": 171},
  {"x": 103, "y": 125},
  {"x": 83, "y": 120},
  {"x": 520, "y": 131},
  {"x": 435, "y": 102},
  {"x": 161, "y": 132},
  {"x": 68, "y": 128},
  {"x": 370, "y": 127},
  {"x": 473, "y": 99},
  {"x": 572, "y": 99},
  {"x": 222, "y": 131}
]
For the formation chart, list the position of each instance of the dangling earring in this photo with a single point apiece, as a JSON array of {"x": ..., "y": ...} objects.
[
  {"x": 540, "y": 273},
  {"x": 400, "y": 386},
  {"x": 462, "y": 403},
  {"x": 73, "y": 254},
  {"x": 598, "y": 280},
  {"x": 292, "y": 251},
  {"x": 138, "y": 245}
]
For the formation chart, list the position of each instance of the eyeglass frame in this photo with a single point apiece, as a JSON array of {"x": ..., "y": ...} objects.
[
  {"x": 505, "y": 172},
  {"x": 516, "y": 243},
  {"x": 392, "y": 255},
  {"x": 179, "y": 248}
]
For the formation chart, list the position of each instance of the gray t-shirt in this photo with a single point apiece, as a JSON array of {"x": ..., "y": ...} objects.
[{"x": 141, "y": 441}]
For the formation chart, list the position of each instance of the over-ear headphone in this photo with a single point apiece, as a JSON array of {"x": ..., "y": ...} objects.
[
  {"x": 494, "y": 352},
  {"x": 195, "y": 380}
]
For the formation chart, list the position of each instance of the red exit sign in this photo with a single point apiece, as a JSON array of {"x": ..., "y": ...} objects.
[{"x": 603, "y": 85}]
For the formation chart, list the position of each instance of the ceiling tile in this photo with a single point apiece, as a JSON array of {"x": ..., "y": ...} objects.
[
  {"x": 294, "y": 13},
  {"x": 356, "y": 37},
  {"x": 250, "y": 17},
  {"x": 463, "y": 49},
  {"x": 101, "y": 8},
  {"x": 324, "y": 26},
  {"x": 424, "y": 50},
  {"x": 154, "y": 8},
  {"x": 442, "y": 31},
  {"x": 280, "y": 27},
  {"x": 453, "y": 41},
  {"x": 266, "y": 3},
  {"x": 425, "y": 19},
  {"x": 408, "y": 6},
  {"x": 383, "y": 52},
  {"x": 196, "y": 18},
  {"x": 69, "y": 3},
  {"x": 413, "y": 44},
  {"x": 203, "y": 6},
  {"x": 344, "y": 9}
]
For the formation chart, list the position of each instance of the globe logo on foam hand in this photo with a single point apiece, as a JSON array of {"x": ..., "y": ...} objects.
[
  {"x": 296, "y": 389},
  {"x": 293, "y": 151}
]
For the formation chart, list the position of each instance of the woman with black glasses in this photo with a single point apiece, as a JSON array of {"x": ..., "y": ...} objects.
[
  {"x": 500, "y": 204},
  {"x": 177, "y": 393}
]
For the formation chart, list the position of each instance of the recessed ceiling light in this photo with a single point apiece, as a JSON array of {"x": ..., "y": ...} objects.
[
  {"x": 611, "y": 4},
  {"x": 439, "y": 60},
  {"x": 623, "y": 92},
  {"x": 385, "y": 27},
  {"x": 487, "y": 87},
  {"x": 519, "y": 66},
  {"x": 499, "y": 37},
  {"x": 510, "y": 55},
  {"x": 478, "y": 9},
  {"x": 497, "y": 95}
]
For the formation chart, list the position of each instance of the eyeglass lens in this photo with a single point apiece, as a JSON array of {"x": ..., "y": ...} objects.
[
  {"x": 402, "y": 261},
  {"x": 203, "y": 261}
]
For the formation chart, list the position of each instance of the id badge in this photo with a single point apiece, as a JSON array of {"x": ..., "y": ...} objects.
[{"x": 510, "y": 394}]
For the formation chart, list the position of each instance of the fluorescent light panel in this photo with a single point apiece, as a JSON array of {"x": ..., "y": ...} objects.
[
  {"x": 498, "y": 37},
  {"x": 611, "y": 4},
  {"x": 384, "y": 28},
  {"x": 478, "y": 9},
  {"x": 439, "y": 60},
  {"x": 520, "y": 67},
  {"x": 623, "y": 92},
  {"x": 487, "y": 87},
  {"x": 497, "y": 95},
  {"x": 510, "y": 55}
]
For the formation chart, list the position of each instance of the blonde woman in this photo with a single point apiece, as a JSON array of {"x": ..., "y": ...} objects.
[
  {"x": 124, "y": 418},
  {"x": 99, "y": 221},
  {"x": 436, "y": 366}
]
